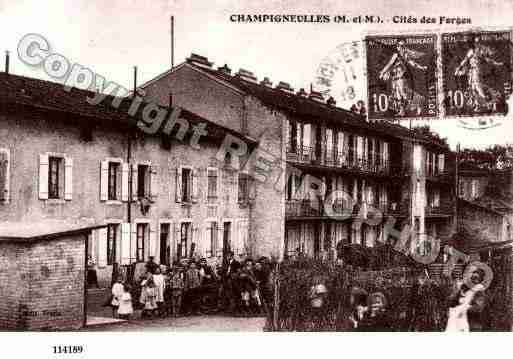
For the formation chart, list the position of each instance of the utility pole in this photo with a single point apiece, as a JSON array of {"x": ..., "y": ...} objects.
[{"x": 172, "y": 42}]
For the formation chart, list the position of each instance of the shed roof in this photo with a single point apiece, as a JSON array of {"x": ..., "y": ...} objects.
[{"x": 49, "y": 229}]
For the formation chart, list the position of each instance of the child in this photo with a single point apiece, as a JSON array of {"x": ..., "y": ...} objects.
[
  {"x": 148, "y": 298},
  {"x": 117, "y": 291},
  {"x": 125, "y": 304},
  {"x": 176, "y": 284}
]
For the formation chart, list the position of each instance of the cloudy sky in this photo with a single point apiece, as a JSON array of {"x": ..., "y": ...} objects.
[{"x": 112, "y": 36}]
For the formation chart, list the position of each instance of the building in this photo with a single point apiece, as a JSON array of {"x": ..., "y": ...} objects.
[
  {"x": 485, "y": 208},
  {"x": 165, "y": 195},
  {"x": 330, "y": 168}
]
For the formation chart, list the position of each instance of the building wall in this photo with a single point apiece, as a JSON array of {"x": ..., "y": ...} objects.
[
  {"x": 483, "y": 224},
  {"x": 56, "y": 284},
  {"x": 14, "y": 288},
  {"x": 221, "y": 104},
  {"x": 27, "y": 136},
  {"x": 42, "y": 284}
]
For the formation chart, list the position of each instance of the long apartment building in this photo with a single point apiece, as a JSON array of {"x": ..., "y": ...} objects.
[
  {"x": 330, "y": 167},
  {"x": 165, "y": 195}
]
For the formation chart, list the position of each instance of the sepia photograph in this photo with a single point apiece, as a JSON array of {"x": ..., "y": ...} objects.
[{"x": 174, "y": 167}]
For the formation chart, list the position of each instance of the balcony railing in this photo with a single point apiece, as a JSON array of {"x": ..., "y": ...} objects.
[
  {"x": 341, "y": 209},
  {"x": 344, "y": 160},
  {"x": 442, "y": 210}
]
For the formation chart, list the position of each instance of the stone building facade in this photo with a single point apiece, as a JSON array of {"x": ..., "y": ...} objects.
[
  {"x": 166, "y": 196},
  {"x": 337, "y": 166}
]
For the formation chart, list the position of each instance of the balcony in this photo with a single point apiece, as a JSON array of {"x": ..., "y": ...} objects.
[
  {"x": 340, "y": 210},
  {"x": 443, "y": 211},
  {"x": 306, "y": 156},
  {"x": 444, "y": 176}
]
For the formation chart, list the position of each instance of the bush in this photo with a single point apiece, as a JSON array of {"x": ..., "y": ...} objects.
[{"x": 411, "y": 306}]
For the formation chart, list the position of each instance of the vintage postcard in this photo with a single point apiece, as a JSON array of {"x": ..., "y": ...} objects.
[{"x": 284, "y": 166}]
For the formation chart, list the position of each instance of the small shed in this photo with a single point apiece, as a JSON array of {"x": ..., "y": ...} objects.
[{"x": 42, "y": 275}]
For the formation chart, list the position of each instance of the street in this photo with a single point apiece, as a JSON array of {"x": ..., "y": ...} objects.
[{"x": 187, "y": 324}]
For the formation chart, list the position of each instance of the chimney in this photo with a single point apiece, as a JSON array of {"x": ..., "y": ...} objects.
[
  {"x": 331, "y": 102},
  {"x": 316, "y": 96},
  {"x": 285, "y": 87},
  {"x": 225, "y": 70},
  {"x": 266, "y": 82},
  {"x": 199, "y": 60},
  {"x": 246, "y": 75},
  {"x": 302, "y": 93},
  {"x": 7, "y": 62}
]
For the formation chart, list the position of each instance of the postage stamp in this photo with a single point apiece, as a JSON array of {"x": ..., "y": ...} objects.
[
  {"x": 401, "y": 76},
  {"x": 476, "y": 73}
]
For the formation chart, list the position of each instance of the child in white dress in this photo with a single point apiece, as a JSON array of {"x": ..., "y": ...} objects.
[{"x": 125, "y": 304}]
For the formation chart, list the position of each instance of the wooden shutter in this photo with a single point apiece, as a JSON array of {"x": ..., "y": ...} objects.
[
  {"x": 153, "y": 242},
  {"x": 4, "y": 176},
  {"x": 195, "y": 186},
  {"x": 385, "y": 155},
  {"x": 441, "y": 162},
  {"x": 43, "y": 176},
  {"x": 102, "y": 247},
  {"x": 235, "y": 184},
  {"x": 154, "y": 183},
  {"x": 125, "y": 169},
  {"x": 133, "y": 242},
  {"x": 125, "y": 243},
  {"x": 135, "y": 181},
  {"x": 104, "y": 180},
  {"x": 178, "y": 179},
  {"x": 252, "y": 189},
  {"x": 68, "y": 178}
]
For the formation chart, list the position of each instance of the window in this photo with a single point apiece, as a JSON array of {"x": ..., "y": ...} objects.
[
  {"x": 211, "y": 239},
  {"x": 185, "y": 239},
  {"x": 113, "y": 180},
  {"x": 329, "y": 144},
  {"x": 142, "y": 235},
  {"x": 112, "y": 235},
  {"x": 243, "y": 193},
  {"x": 474, "y": 189},
  {"x": 164, "y": 243},
  {"x": 55, "y": 177},
  {"x": 143, "y": 183},
  {"x": 186, "y": 184},
  {"x": 212, "y": 178}
]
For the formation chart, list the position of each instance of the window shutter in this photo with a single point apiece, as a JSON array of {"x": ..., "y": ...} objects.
[
  {"x": 154, "y": 184},
  {"x": 153, "y": 242},
  {"x": 102, "y": 247},
  {"x": 124, "y": 181},
  {"x": 4, "y": 176},
  {"x": 133, "y": 242},
  {"x": 252, "y": 189},
  {"x": 385, "y": 154},
  {"x": 43, "y": 176},
  {"x": 125, "y": 243},
  {"x": 441, "y": 163},
  {"x": 68, "y": 178},
  {"x": 235, "y": 184},
  {"x": 179, "y": 184},
  {"x": 195, "y": 186},
  {"x": 104, "y": 180},
  {"x": 135, "y": 181}
]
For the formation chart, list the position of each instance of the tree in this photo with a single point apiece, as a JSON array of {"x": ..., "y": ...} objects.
[{"x": 491, "y": 158}]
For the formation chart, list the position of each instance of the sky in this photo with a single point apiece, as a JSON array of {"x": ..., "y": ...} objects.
[{"x": 111, "y": 37}]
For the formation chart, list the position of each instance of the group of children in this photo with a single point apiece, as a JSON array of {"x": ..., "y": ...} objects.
[{"x": 194, "y": 288}]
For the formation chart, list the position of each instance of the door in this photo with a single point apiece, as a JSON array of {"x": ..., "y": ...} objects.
[
  {"x": 164, "y": 243},
  {"x": 226, "y": 238}
]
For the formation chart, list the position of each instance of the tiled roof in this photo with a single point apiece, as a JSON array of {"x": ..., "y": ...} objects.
[
  {"x": 52, "y": 96},
  {"x": 304, "y": 106}
]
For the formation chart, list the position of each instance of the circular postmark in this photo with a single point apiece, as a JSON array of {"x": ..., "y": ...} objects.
[{"x": 339, "y": 74}]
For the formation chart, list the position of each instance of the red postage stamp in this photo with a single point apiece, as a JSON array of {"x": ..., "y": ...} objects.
[
  {"x": 476, "y": 72},
  {"x": 401, "y": 76}
]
